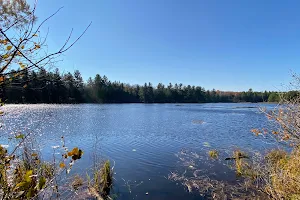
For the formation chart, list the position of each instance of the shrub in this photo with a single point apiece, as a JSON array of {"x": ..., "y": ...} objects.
[{"x": 278, "y": 173}]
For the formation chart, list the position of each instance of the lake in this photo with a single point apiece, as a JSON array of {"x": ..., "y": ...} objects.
[{"x": 145, "y": 141}]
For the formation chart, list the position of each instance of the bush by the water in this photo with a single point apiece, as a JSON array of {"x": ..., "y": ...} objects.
[{"x": 278, "y": 173}]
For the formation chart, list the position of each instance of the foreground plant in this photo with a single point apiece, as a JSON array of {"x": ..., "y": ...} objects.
[
  {"x": 278, "y": 172},
  {"x": 284, "y": 175},
  {"x": 23, "y": 175},
  {"x": 101, "y": 183}
]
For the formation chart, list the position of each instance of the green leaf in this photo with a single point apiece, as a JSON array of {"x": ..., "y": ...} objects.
[
  {"x": 30, "y": 193},
  {"x": 22, "y": 184},
  {"x": 28, "y": 176},
  {"x": 21, "y": 136},
  {"x": 42, "y": 183}
]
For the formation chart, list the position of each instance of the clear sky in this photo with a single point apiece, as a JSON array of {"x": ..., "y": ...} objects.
[{"x": 226, "y": 45}]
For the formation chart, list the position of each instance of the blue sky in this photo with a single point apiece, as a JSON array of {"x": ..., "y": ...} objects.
[{"x": 226, "y": 45}]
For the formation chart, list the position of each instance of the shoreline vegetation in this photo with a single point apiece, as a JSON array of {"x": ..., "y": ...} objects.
[
  {"x": 53, "y": 87},
  {"x": 176, "y": 104}
]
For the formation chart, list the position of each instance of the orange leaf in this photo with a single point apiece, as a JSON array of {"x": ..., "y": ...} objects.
[
  {"x": 5, "y": 56},
  {"x": 62, "y": 165},
  {"x": 37, "y": 46},
  {"x": 3, "y": 42},
  {"x": 8, "y": 48},
  {"x": 275, "y": 132}
]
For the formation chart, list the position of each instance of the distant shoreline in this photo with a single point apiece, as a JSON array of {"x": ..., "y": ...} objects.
[{"x": 141, "y": 103}]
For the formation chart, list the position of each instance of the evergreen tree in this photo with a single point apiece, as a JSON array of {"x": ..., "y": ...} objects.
[{"x": 52, "y": 87}]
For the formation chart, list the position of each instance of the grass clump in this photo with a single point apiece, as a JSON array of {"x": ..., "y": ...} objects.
[
  {"x": 277, "y": 174},
  {"x": 24, "y": 175},
  {"x": 22, "y": 178},
  {"x": 47, "y": 170},
  {"x": 240, "y": 164},
  {"x": 214, "y": 154},
  {"x": 106, "y": 178},
  {"x": 101, "y": 184},
  {"x": 77, "y": 182},
  {"x": 283, "y": 174},
  {"x": 275, "y": 156}
]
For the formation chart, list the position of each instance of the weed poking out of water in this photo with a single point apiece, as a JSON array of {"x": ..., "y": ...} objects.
[
  {"x": 240, "y": 164},
  {"x": 203, "y": 181},
  {"x": 77, "y": 182},
  {"x": 102, "y": 181},
  {"x": 214, "y": 154},
  {"x": 106, "y": 178}
]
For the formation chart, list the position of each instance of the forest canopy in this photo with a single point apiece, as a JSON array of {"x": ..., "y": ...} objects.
[{"x": 41, "y": 86}]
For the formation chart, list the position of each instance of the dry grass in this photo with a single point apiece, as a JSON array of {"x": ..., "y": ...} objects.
[
  {"x": 215, "y": 189},
  {"x": 283, "y": 181},
  {"x": 241, "y": 165},
  {"x": 277, "y": 174},
  {"x": 279, "y": 170},
  {"x": 275, "y": 155},
  {"x": 77, "y": 182},
  {"x": 199, "y": 179}
]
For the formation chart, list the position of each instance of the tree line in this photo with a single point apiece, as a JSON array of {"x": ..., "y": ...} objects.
[{"x": 54, "y": 87}]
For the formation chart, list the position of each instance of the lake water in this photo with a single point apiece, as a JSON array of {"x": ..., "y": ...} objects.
[{"x": 144, "y": 139}]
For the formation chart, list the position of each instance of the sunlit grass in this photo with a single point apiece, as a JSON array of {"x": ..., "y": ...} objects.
[
  {"x": 77, "y": 182},
  {"x": 214, "y": 154},
  {"x": 239, "y": 163},
  {"x": 284, "y": 174},
  {"x": 101, "y": 183}
]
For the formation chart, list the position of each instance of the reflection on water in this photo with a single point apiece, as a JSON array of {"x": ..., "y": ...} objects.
[{"x": 143, "y": 139}]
